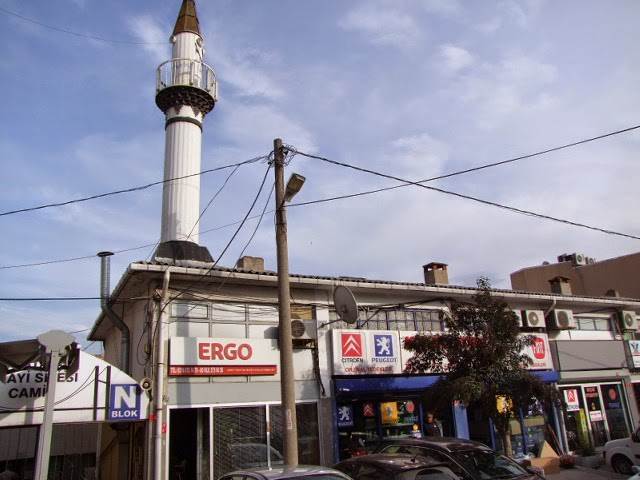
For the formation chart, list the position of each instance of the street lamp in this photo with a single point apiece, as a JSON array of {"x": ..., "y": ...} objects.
[{"x": 287, "y": 379}]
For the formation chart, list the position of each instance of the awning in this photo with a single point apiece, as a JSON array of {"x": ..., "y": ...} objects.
[{"x": 413, "y": 383}]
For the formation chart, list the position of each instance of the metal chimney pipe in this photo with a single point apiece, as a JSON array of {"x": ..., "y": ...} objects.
[{"x": 105, "y": 276}]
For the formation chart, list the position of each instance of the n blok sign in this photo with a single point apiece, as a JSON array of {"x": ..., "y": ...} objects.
[{"x": 124, "y": 402}]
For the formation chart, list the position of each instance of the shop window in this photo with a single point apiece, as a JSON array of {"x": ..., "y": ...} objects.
[
  {"x": 263, "y": 331},
  {"x": 239, "y": 439},
  {"x": 308, "y": 440},
  {"x": 181, "y": 327},
  {"x": 262, "y": 313},
  {"x": 614, "y": 411},
  {"x": 301, "y": 312}
]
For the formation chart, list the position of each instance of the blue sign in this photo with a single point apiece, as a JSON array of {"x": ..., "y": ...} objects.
[
  {"x": 345, "y": 416},
  {"x": 124, "y": 402},
  {"x": 383, "y": 345}
]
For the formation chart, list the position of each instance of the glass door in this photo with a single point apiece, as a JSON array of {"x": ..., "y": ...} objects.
[{"x": 596, "y": 418}]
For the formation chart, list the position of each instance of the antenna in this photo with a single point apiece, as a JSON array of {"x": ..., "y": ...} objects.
[{"x": 345, "y": 304}]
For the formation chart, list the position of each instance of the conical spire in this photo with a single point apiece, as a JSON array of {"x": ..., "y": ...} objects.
[{"x": 187, "y": 19}]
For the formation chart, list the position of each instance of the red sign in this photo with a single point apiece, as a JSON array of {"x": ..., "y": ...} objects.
[
  {"x": 410, "y": 406},
  {"x": 208, "y": 371},
  {"x": 222, "y": 351},
  {"x": 538, "y": 347},
  {"x": 368, "y": 410},
  {"x": 352, "y": 345}
]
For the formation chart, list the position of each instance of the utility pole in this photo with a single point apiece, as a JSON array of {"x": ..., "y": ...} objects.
[{"x": 287, "y": 380}]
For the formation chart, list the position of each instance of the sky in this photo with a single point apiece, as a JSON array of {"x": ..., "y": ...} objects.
[{"x": 413, "y": 89}]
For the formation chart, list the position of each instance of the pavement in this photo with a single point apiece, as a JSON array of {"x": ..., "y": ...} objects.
[{"x": 583, "y": 473}]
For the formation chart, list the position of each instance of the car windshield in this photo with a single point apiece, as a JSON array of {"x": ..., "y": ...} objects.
[{"x": 486, "y": 464}]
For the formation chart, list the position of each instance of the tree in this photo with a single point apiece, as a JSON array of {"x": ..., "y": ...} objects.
[{"x": 481, "y": 356}]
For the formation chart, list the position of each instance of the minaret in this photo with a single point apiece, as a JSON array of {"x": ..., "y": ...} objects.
[{"x": 186, "y": 90}]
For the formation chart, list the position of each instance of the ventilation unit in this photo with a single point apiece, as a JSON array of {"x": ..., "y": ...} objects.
[
  {"x": 628, "y": 320},
  {"x": 562, "y": 320},
  {"x": 534, "y": 318},
  {"x": 303, "y": 329}
]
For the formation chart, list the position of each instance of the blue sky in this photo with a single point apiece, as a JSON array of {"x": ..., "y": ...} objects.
[{"x": 412, "y": 88}]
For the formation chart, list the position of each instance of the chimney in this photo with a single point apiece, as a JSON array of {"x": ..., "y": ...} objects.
[
  {"x": 255, "y": 264},
  {"x": 612, "y": 292},
  {"x": 435, "y": 273},
  {"x": 105, "y": 277},
  {"x": 560, "y": 285}
]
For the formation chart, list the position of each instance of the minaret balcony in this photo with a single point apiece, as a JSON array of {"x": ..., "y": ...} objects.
[{"x": 183, "y": 81}]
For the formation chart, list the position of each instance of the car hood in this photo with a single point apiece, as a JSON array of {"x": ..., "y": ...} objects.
[{"x": 621, "y": 442}]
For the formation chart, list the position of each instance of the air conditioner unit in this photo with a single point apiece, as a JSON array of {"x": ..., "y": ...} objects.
[
  {"x": 534, "y": 318},
  {"x": 562, "y": 320},
  {"x": 518, "y": 314},
  {"x": 579, "y": 259},
  {"x": 590, "y": 260},
  {"x": 628, "y": 320},
  {"x": 303, "y": 330}
]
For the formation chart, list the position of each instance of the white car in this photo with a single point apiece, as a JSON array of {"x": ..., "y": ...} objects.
[{"x": 622, "y": 454}]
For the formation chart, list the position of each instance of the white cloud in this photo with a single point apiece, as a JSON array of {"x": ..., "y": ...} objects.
[
  {"x": 455, "y": 58},
  {"x": 153, "y": 34},
  {"x": 419, "y": 156},
  {"x": 382, "y": 25}
]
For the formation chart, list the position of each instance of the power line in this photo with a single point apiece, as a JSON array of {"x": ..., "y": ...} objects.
[
  {"x": 469, "y": 170},
  {"x": 130, "y": 189},
  {"x": 62, "y": 299},
  {"x": 77, "y": 34},
  {"x": 468, "y": 197}
]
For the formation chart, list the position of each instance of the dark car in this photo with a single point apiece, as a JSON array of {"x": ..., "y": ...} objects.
[
  {"x": 309, "y": 472},
  {"x": 385, "y": 466},
  {"x": 468, "y": 459}
]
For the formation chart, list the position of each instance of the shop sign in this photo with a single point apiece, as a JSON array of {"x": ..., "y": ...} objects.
[
  {"x": 345, "y": 416},
  {"x": 97, "y": 392},
  {"x": 611, "y": 397},
  {"x": 194, "y": 357},
  {"x": 389, "y": 412},
  {"x": 571, "y": 399},
  {"x": 634, "y": 348},
  {"x": 539, "y": 352},
  {"x": 366, "y": 352},
  {"x": 369, "y": 410},
  {"x": 595, "y": 416}
]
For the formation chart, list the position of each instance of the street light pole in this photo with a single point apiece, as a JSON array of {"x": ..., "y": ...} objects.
[{"x": 287, "y": 380}]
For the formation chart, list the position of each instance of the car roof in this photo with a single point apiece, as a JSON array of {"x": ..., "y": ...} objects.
[
  {"x": 395, "y": 462},
  {"x": 449, "y": 444},
  {"x": 283, "y": 471}
]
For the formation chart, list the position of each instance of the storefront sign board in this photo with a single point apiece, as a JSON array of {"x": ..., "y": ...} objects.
[
  {"x": 345, "y": 416},
  {"x": 571, "y": 399},
  {"x": 596, "y": 416},
  {"x": 190, "y": 356},
  {"x": 98, "y": 391},
  {"x": 366, "y": 352},
  {"x": 389, "y": 413},
  {"x": 634, "y": 348},
  {"x": 539, "y": 352}
]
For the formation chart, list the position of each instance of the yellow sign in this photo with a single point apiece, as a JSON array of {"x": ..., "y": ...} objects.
[{"x": 389, "y": 412}]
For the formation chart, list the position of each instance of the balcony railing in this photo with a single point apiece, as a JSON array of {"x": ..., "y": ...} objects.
[{"x": 187, "y": 72}]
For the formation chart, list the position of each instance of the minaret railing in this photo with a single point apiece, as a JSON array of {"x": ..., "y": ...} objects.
[{"x": 186, "y": 72}]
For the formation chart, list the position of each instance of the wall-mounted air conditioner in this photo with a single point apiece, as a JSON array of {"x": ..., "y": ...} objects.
[
  {"x": 534, "y": 318},
  {"x": 628, "y": 320},
  {"x": 303, "y": 330},
  {"x": 562, "y": 320}
]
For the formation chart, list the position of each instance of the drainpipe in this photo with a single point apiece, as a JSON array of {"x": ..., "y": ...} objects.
[
  {"x": 159, "y": 410},
  {"x": 551, "y": 307},
  {"x": 105, "y": 290}
]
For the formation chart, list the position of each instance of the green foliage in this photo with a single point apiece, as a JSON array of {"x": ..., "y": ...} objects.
[{"x": 481, "y": 355}]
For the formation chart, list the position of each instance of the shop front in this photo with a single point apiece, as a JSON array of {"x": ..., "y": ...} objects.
[
  {"x": 226, "y": 413},
  {"x": 596, "y": 399},
  {"x": 374, "y": 400}
]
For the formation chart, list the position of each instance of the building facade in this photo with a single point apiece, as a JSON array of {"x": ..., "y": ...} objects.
[{"x": 221, "y": 386}]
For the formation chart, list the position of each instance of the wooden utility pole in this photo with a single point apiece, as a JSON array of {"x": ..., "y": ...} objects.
[{"x": 287, "y": 379}]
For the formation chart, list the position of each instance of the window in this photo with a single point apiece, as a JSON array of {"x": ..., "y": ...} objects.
[{"x": 593, "y": 323}]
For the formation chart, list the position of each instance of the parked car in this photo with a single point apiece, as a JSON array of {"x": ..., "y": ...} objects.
[
  {"x": 468, "y": 459},
  {"x": 387, "y": 466},
  {"x": 636, "y": 473},
  {"x": 623, "y": 453},
  {"x": 310, "y": 472}
]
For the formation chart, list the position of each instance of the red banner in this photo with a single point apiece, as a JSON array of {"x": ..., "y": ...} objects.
[{"x": 221, "y": 371}]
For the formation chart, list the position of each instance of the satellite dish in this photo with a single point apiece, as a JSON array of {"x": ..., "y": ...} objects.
[{"x": 345, "y": 304}]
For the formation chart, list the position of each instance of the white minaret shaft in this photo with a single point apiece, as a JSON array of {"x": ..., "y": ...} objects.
[{"x": 186, "y": 93}]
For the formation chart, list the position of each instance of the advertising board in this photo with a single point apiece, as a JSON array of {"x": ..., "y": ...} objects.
[
  {"x": 366, "y": 352},
  {"x": 193, "y": 357}
]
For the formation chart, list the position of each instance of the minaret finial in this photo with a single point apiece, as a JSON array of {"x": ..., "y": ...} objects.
[{"x": 187, "y": 19}]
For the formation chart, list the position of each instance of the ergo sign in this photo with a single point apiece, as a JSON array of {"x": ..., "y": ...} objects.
[
  {"x": 222, "y": 357},
  {"x": 224, "y": 351}
]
